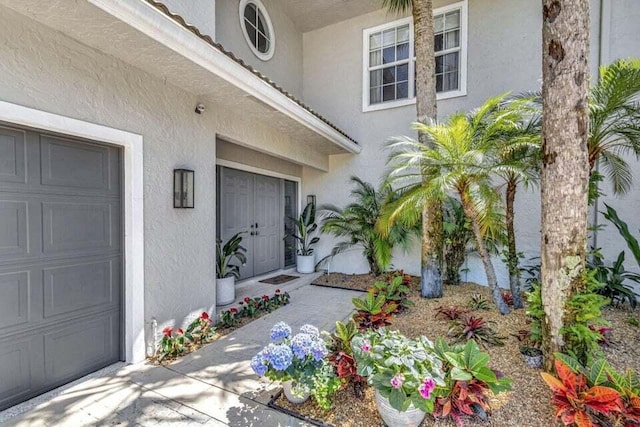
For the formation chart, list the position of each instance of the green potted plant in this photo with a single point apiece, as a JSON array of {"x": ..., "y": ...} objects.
[
  {"x": 305, "y": 226},
  {"x": 226, "y": 272},
  {"x": 403, "y": 371}
]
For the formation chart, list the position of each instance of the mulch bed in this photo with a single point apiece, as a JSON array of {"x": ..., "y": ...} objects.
[
  {"x": 526, "y": 405},
  {"x": 355, "y": 282}
]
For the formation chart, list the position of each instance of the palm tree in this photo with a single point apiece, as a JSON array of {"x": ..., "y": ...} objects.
[
  {"x": 357, "y": 222},
  {"x": 565, "y": 163},
  {"x": 614, "y": 115},
  {"x": 426, "y": 109},
  {"x": 462, "y": 161}
]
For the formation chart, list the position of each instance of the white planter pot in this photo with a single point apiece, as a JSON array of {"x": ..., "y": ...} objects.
[
  {"x": 306, "y": 263},
  {"x": 412, "y": 417},
  {"x": 225, "y": 290},
  {"x": 295, "y": 395}
]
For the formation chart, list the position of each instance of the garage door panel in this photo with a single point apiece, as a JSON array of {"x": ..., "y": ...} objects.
[
  {"x": 81, "y": 347},
  {"x": 80, "y": 226},
  {"x": 80, "y": 287},
  {"x": 78, "y": 165},
  {"x": 12, "y": 156},
  {"x": 19, "y": 375},
  {"x": 14, "y": 299},
  {"x": 13, "y": 228}
]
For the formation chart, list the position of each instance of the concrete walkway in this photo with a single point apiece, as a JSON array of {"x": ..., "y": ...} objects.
[{"x": 213, "y": 386}]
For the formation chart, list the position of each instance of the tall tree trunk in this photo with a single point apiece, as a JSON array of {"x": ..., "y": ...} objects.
[
  {"x": 512, "y": 252},
  {"x": 565, "y": 170},
  {"x": 492, "y": 280},
  {"x": 431, "y": 262}
]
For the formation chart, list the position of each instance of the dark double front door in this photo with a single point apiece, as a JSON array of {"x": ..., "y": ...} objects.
[{"x": 252, "y": 204}]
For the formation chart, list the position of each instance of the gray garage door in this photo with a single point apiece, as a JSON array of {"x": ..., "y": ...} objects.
[{"x": 60, "y": 261}]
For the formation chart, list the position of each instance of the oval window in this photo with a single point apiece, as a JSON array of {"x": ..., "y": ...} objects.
[{"x": 257, "y": 28}]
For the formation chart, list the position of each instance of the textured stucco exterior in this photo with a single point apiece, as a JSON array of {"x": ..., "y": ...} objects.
[
  {"x": 201, "y": 13},
  {"x": 285, "y": 67},
  {"x": 504, "y": 54},
  {"x": 238, "y": 154}
]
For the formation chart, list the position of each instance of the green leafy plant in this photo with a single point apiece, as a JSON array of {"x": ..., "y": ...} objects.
[
  {"x": 633, "y": 321},
  {"x": 373, "y": 311},
  {"x": 226, "y": 253},
  {"x": 613, "y": 280},
  {"x": 475, "y": 328},
  {"x": 450, "y": 313},
  {"x": 201, "y": 330},
  {"x": 479, "y": 302},
  {"x": 405, "y": 371},
  {"x": 395, "y": 291},
  {"x": 172, "y": 345},
  {"x": 457, "y": 238},
  {"x": 251, "y": 307},
  {"x": 535, "y": 311},
  {"x": 623, "y": 229},
  {"x": 305, "y": 226},
  {"x": 342, "y": 359},
  {"x": 325, "y": 384},
  {"x": 468, "y": 381},
  {"x": 229, "y": 318}
]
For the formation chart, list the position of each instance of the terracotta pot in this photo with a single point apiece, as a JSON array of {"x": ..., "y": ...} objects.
[
  {"x": 412, "y": 417},
  {"x": 295, "y": 394}
]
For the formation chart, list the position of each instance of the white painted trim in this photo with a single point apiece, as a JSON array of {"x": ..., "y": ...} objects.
[
  {"x": 272, "y": 35},
  {"x": 148, "y": 20},
  {"x": 253, "y": 169},
  {"x": 464, "y": 31},
  {"x": 133, "y": 207}
]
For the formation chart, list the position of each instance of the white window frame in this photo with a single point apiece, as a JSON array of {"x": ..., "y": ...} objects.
[
  {"x": 462, "y": 91},
  {"x": 264, "y": 56}
]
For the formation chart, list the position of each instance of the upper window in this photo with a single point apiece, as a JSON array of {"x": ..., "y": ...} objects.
[
  {"x": 389, "y": 59},
  {"x": 257, "y": 28}
]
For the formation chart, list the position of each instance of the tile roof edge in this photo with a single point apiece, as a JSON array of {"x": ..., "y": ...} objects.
[{"x": 196, "y": 31}]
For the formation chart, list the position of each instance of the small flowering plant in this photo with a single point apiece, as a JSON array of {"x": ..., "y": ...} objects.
[
  {"x": 172, "y": 345},
  {"x": 405, "y": 371},
  {"x": 201, "y": 330}
]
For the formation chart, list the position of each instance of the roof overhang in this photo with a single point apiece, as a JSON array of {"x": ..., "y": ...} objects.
[{"x": 143, "y": 35}]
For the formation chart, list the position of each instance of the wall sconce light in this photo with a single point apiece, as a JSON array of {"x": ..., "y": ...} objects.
[
  {"x": 183, "y": 188},
  {"x": 311, "y": 199}
]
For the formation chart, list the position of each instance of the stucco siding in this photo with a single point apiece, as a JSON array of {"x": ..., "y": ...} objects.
[
  {"x": 246, "y": 156},
  {"x": 285, "y": 67},
  {"x": 201, "y": 13}
]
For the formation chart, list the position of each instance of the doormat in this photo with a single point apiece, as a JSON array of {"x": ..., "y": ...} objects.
[
  {"x": 309, "y": 420},
  {"x": 277, "y": 280}
]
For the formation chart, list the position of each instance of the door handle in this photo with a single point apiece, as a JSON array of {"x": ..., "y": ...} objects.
[{"x": 256, "y": 225}]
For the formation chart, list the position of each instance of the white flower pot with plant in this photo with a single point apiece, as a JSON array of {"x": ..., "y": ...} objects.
[
  {"x": 305, "y": 227},
  {"x": 226, "y": 272}
]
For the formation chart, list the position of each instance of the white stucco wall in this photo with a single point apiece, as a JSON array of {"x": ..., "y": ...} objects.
[
  {"x": 285, "y": 67},
  {"x": 201, "y": 13},
  {"x": 504, "y": 52}
]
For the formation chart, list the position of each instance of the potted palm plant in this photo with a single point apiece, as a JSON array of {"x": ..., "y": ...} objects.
[
  {"x": 226, "y": 272},
  {"x": 305, "y": 225}
]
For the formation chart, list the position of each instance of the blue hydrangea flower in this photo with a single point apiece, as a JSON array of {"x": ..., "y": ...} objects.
[
  {"x": 258, "y": 363},
  {"x": 311, "y": 330},
  {"x": 301, "y": 345},
  {"x": 280, "y": 356},
  {"x": 319, "y": 350},
  {"x": 280, "y": 331}
]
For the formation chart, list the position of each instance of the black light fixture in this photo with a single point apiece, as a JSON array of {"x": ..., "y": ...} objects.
[
  {"x": 311, "y": 199},
  {"x": 183, "y": 188}
]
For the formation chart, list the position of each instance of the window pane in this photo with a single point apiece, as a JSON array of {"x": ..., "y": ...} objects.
[
  {"x": 375, "y": 41},
  {"x": 402, "y": 90},
  {"x": 450, "y": 62},
  {"x": 438, "y": 44},
  {"x": 439, "y": 83},
  {"x": 389, "y": 37},
  {"x": 261, "y": 24},
  {"x": 375, "y": 58},
  {"x": 439, "y": 63},
  {"x": 263, "y": 43},
  {"x": 452, "y": 20},
  {"x": 375, "y": 95},
  {"x": 452, "y": 39},
  {"x": 375, "y": 78},
  {"x": 389, "y": 93},
  {"x": 389, "y": 54},
  {"x": 403, "y": 33},
  {"x": 402, "y": 51},
  {"x": 251, "y": 32},
  {"x": 389, "y": 75},
  {"x": 438, "y": 24},
  {"x": 250, "y": 13},
  {"x": 450, "y": 82},
  {"x": 402, "y": 72}
]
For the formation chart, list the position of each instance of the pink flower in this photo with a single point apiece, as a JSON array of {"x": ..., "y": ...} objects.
[
  {"x": 397, "y": 380},
  {"x": 167, "y": 331},
  {"x": 426, "y": 388},
  {"x": 366, "y": 346}
]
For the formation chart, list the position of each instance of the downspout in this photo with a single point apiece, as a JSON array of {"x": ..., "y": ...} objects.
[{"x": 603, "y": 58}]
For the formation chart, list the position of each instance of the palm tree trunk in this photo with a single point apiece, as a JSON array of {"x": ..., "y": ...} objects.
[
  {"x": 565, "y": 171},
  {"x": 492, "y": 280},
  {"x": 431, "y": 263},
  {"x": 512, "y": 253}
]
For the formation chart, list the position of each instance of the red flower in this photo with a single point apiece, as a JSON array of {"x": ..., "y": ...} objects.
[
  {"x": 167, "y": 331},
  {"x": 277, "y": 291},
  {"x": 247, "y": 300},
  {"x": 180, "y": 331},
  {"x": 265, "y": 297},
  {"x": 233, "y": 310},
  {"x": 204, "y": 315}
]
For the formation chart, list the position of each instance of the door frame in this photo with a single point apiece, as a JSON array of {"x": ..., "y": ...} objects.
[
  {"x": 252, "y": 169},
  {"x": 132, "y": 209}
]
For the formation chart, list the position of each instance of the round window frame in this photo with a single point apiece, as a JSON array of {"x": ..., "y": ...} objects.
[{"x": 272, "y": 36}]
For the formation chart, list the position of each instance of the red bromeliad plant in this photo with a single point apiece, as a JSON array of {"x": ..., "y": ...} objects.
[
  {"x": 508, "y": 298},
  {"x": 578, "y": 404},
  {"x": 474, "y": 328},
  {"x": 450, "y": 313}
]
